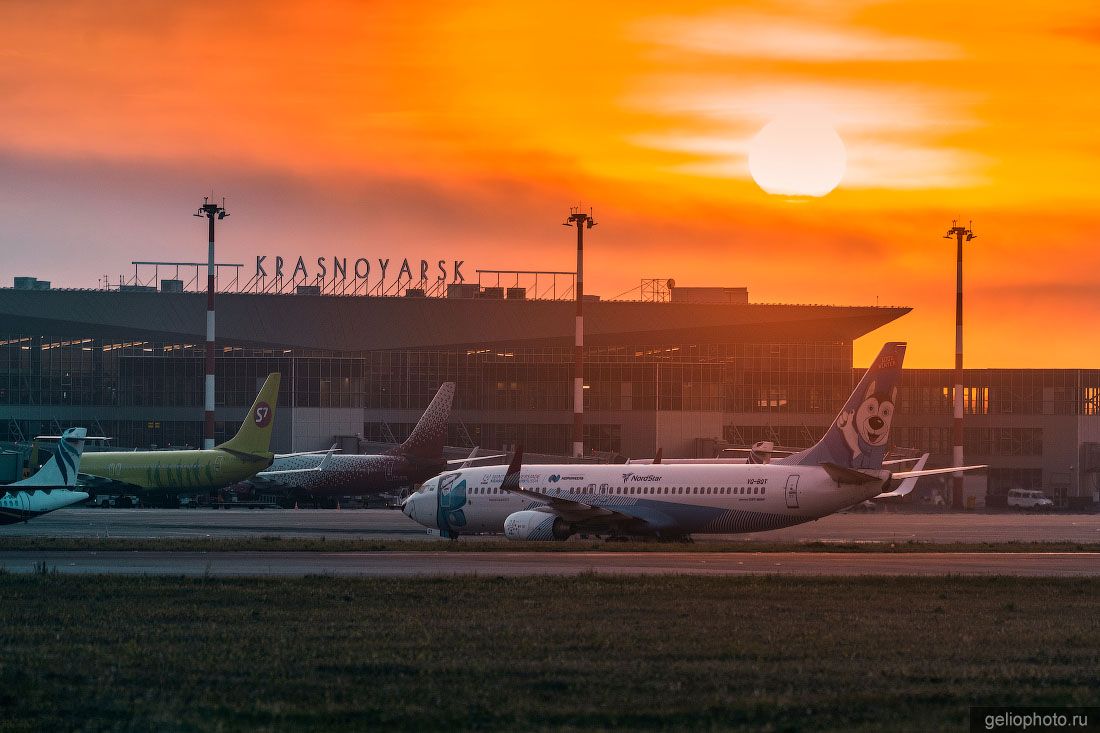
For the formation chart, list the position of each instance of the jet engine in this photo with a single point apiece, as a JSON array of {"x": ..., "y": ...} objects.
[{"x": 536, "y": 525}]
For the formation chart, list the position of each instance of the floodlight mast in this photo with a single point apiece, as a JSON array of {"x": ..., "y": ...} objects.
[
  {"x": 581, "y": 221},
  {"x": 211, "y": 212},
  {"x": 959, "y": 233}
]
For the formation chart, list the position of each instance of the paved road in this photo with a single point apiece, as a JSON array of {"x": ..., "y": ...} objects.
[
  {"x": 422, "y": 564},
  {"x": 385, "y": 524}
]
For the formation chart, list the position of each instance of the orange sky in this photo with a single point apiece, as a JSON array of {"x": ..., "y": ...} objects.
[{"x": 467, "y": 129}]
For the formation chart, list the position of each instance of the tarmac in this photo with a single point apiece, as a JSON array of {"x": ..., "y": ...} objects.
[
  {"x": 498, "y": 564},
  {"x": 388, "y": 524}
]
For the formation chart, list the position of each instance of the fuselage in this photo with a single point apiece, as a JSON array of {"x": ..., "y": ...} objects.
[
  {"x": 657, "y": 499},
  {"x": 173, "y": 470},
  {"x": 20, "y": 506},
  {"x": 346, "y": 475}
]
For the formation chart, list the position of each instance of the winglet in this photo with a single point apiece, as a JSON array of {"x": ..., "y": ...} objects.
[
  {"x": 511, "y": 478},
  {"x": 657, "y": 457},
  {"x": 327, "y": 460}
]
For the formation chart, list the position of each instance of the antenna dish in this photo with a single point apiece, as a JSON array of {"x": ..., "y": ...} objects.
[{"x": 671, "y": 283}]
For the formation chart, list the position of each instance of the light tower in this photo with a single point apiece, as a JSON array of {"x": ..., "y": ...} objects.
[
  {"x": 211, "y": 212},
  {"x": 960, "y": 234},
  {"x": 582, "y": 221}
]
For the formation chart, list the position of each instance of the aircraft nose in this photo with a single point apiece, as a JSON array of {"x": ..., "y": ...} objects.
[{"x": 415, "y": 509}]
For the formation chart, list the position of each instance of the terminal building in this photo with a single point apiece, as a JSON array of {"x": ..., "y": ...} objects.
[{"x": 690, "y": 370}]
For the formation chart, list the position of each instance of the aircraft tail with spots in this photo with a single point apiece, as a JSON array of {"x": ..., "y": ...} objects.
[{"x": 425, "y": 443}]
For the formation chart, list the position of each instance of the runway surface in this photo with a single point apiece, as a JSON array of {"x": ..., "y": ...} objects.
[
  {"x": 383, "y": 524},
  {"x": 494, "y": 564}
]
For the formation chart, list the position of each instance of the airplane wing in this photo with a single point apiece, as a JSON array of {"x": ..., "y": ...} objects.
[
  {"x": 102, "y": 485},
  {"x": 88, "y": 439},
  {"x": 569, "y": 509},
  {"x": 474, "y": 458},
  {"x": 844, "y": 475},
  {"x": 899, "y": 461},
  {"x": 934, "y": 471},
  {"x": 324, "y": 465},
  {"x": 333, "y": 449},
  {"x": 909, "y": 478}
]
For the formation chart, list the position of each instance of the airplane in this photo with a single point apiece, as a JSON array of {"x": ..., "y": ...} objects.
[
  {"x": 52, "y": 488},
  {"x": 674, "y": 501},
  {"x": 177, "y": 471},
  {"x": 902, "y": 490},
  {"x": 326, "y": 474}
]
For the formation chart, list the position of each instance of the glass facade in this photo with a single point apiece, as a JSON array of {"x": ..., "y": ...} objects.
[
  {"x": 146, "y": 393},
  {"x": 505, "y": 383}
]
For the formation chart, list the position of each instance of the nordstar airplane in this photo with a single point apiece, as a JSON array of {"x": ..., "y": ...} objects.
[
  {"x": 51, "y": 488},
  {"x": 676, "y": 500},
  {"x": 174, "y": 471}
]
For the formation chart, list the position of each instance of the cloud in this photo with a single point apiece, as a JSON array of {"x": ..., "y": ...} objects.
[
  {"x": 889, "y": 131},
  {"x": 755, "y": 35},
  {"x": 875, "y": 164},
  {"x": 852, "y": 106}
]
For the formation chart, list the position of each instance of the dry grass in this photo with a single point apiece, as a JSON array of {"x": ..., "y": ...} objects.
[{"x": 588, "y": 652}]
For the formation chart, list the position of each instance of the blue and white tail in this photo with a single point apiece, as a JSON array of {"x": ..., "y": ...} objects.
[
  {"x": 860, "y": 435},
  {"x": 61, "y": 470}
]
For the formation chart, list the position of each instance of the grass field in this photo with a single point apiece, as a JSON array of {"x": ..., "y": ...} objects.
[
  {"x": 588, "y": 652},
  {"x": 474, "y": 544}
]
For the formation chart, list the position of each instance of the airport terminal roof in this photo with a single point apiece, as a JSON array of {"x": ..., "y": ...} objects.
[{"x": 355, "y": 323}]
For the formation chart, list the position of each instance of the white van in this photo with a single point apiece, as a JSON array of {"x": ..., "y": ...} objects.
[{"x": 1025, "y": 499}]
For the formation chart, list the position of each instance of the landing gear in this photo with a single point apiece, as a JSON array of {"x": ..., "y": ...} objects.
[{"x": 684, "y": 539}]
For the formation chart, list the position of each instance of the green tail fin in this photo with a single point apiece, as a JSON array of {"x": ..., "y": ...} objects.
[{"x": 254, "y": 437}]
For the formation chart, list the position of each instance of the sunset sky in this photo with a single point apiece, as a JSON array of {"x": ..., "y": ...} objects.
[{"x": 466, "y": 130}]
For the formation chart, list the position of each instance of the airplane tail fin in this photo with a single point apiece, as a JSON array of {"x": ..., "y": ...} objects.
[
  {"x": 60, "y": 471},
  {"x": 425, "y": 443},
  {"x": 254, "y": 435},
  {"x": 859, "y": 436}
]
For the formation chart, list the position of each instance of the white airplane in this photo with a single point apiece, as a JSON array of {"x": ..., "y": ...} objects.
[
  {"x": 902, "y": 490},
  {"x": 49, "y": 489},
  {"x": 676, "y": 500}
]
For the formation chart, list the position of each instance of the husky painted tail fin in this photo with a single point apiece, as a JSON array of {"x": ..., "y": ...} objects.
[
  {"x": 858, "y": 437},
  {"x": 425, "y": 443},
  {"x": 254, "y": 436},
  {"x": 60, "y": 471}
]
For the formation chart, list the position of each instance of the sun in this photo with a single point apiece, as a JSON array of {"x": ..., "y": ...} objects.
[{"x": 797, "y": 156}]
